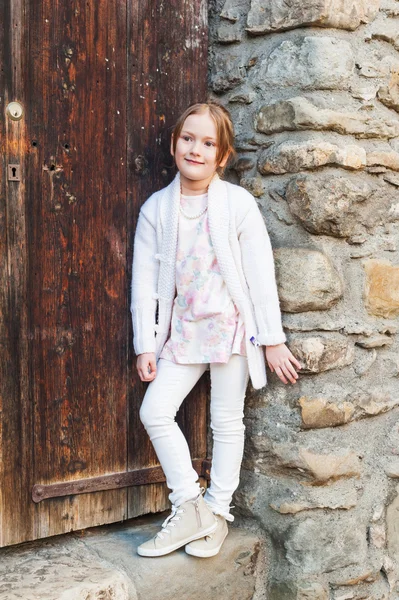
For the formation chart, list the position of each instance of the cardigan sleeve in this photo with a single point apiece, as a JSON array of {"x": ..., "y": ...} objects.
[
  {"x": 259, "y": 271},
  {"x": 144, "y": 285}
]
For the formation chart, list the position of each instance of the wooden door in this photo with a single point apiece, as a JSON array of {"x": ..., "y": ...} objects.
[{"x": 100, "y": 84}]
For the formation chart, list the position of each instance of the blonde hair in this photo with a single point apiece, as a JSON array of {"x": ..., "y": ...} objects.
[{"x": 224, "y": 128}]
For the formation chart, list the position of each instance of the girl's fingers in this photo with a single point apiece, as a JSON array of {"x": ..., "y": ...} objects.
[
  {"x": 280, "y": 373},
  {"x": 288, "y": 371},
  {"x": 295, "y": 361},
  {"x": 291, "y": 369}
]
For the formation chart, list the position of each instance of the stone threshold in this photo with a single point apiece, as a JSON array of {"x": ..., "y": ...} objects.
[{"x": 101, "y": 563}]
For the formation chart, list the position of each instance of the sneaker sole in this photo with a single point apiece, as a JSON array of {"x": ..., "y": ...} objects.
[
  {"x": 205, "y": 553},
  {"x": 163, "y": 551}
]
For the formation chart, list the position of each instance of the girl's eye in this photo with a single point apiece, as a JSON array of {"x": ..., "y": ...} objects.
[
  {"x": 186, "y": 138},
  {"x": 210, "y": 144}
]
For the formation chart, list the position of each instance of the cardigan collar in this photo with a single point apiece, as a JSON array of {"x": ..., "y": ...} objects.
[{"x": 219, "y": 225}]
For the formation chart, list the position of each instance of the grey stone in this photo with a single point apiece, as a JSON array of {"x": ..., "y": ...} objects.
[
  {"x": 291, "y": 157},
  {"x": 392, "y": 178},
  {"x": 322, "y": 353},
  {"x": 320, "y": 468},
  {"x": 389, "y": 94},
  {"x": 233, "y": 9},
  {"x": 311, "y": 62},
  {"x": 377, "y": 536},
  {"x": 386, "y": 30},
  {"x": 339, "y": 495},
  {"x": 297, "y": 590},
  {"x": 375, "y": 341},
  {"x": 330, "y": 412},
  {"x": 254, "y": 185},
  {"x": 244, "y": 95},
  {"x": 336, "y": 205},
  {"x": 393, "y": 527},
  {"x": 317, "y": 546},
  {"x": 266, "y": 17},
  {"x": 392, "y": 470},
  {"x": 228, "y": 72},
  {"x": 299, "y": 113},
  {"x": 101, "y": 563},
  {"x": 229, "y": 33},
  {"x": 385, "y": 158},
  {"x": 61, "y": 568},
  {"x": 307, "y": 280}
]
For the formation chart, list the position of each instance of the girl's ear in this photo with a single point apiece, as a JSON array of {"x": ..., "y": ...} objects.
[
  {"x": 171, "y": 145},
  {"x": 224, "y": 159}
]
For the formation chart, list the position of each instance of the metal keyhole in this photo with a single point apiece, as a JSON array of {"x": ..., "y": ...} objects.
[
  {"x": 15, "y": 111},
  {"x": 14, "y": 173}
]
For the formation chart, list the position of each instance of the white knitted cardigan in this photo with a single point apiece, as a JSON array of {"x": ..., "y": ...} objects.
[{"x": 244, "y": 254}]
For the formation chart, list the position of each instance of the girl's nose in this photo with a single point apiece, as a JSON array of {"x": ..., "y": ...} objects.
[{"x": 195, "y": 148}]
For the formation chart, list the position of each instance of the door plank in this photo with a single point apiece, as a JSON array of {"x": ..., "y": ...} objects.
[
  {"x": 167, "y": 69},
  {"x": 77, "y": 278},
  {"x": 15, "y": 407}
]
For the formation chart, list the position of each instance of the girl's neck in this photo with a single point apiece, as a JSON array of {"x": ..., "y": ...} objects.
[{"x": 190, "y": 187}]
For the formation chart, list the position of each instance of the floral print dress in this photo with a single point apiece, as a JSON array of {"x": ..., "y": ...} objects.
[{"x": 206, "y": 326}]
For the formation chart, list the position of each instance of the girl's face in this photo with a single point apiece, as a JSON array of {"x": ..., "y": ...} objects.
[{"x": 197, "y": 148}]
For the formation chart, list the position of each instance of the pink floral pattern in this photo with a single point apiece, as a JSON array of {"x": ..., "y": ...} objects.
[{"x": 206, "y": 325}]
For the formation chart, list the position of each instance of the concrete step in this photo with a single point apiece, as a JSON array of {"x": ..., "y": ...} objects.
[{"x": 101, "y": 563}]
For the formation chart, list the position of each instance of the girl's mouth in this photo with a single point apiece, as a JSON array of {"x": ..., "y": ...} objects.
[{"x": 193, "y": 162}]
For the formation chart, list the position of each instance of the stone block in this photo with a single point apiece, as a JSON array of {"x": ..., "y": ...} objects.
[
  {"x": 232, "y": 10},
  {"x": 311, "y": 62},
  {"x": 320, "y": 468},
  {"x": 382, "y": 288},
  {"x": 266, "y": 17},
  {"x": 229, "y": 33},
  {"x": 392, "y": 470},
  {"x": 254, "y": 185},
  {"x": 384, "y": 158},
  {"x": 393, "y": 527},
  {"x": 338, "y": 206},
  {"x": 389, "y": 94},
  {"x": 228, "y": 71},
  {"x": 324, "y": 412},
  {"x": 292, "y": 157},
  {"x": 386, "y": 30},
  {"x": 321, "y": 353},
  {"x": 299, "y": 113},
  {"x": 319, "y": 412},
  {"x": 307, "y": 280},
  {"x": 338, "y": 495},
  {"x": 297, "y": 590},
  {"x": 374, "y": 341},
  {"x": 316, "y": 546},
  {"x": 377, "y": 536}
]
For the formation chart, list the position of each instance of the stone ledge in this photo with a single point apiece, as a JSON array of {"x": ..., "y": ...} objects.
[{"x": 101, "y": 563}]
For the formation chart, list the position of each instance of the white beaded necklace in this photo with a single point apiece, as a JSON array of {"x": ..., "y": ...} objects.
[{"x": 193, "y": 216}]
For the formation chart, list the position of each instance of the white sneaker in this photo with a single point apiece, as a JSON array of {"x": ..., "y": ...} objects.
[
  {"x": 210, "y": 544},
  {"x": 189, "y": 521}
]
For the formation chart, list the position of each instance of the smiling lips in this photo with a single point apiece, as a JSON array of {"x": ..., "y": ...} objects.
[{"x": 194, "y": 162}]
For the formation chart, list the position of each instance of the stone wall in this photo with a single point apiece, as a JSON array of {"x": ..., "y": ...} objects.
[{"x": 313, "y": 87}]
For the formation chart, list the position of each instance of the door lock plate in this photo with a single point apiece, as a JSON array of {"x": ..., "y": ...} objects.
[{"x": 14, "y": 173}]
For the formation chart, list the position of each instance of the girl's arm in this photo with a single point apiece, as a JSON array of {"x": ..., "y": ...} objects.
[
  {"x": 144, "y": 284},
  {"x": 258, "y": 266}
]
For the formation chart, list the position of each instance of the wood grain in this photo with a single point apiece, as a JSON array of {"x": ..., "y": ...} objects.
[{"x": 101, "y": 85}]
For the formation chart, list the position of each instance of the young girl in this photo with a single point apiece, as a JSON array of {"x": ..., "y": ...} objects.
[{"x": 202, "y": 257}]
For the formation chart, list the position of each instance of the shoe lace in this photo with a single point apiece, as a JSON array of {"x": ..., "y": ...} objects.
[{"x": 170, "y": 521}]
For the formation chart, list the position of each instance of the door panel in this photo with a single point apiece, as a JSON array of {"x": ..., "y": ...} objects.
[{"x": 101, "y": 84}]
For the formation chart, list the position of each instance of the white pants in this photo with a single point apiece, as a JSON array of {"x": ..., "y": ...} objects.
[{"x": 161, "y": 402}]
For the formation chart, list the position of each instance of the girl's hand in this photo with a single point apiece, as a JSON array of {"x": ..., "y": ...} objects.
[
  {"x": 146, "y": 366},
  {"x": 279, "y": 359}
]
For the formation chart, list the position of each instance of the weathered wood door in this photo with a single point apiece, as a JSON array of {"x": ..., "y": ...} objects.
[{"x": 100, "y": 84}]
